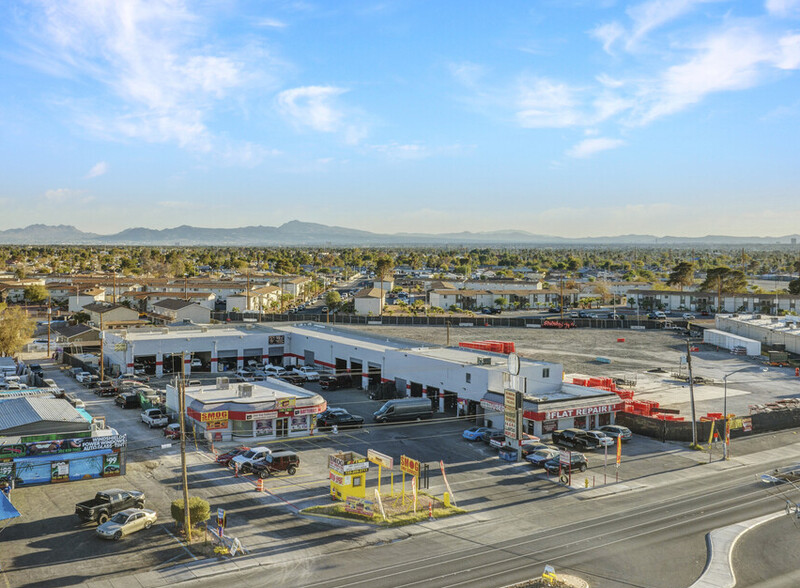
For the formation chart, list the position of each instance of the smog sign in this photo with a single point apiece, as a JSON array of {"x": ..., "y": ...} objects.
[
  {"x": 214, "y": 416},
  {"x": 380, "y": 459},
  {"x": 409, "y": 466}
]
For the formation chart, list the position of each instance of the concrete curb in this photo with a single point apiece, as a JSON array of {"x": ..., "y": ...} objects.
[{"x": 718, "y": 572}]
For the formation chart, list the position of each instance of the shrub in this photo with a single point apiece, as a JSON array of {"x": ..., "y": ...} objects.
[{"x": 199, "y": 510}]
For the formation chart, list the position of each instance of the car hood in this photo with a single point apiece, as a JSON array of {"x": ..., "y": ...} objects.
[{"x": 109, "y": 528}]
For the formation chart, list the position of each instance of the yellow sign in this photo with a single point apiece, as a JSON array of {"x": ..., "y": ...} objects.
[
  {"x": 549, "y": 574},
  {"x": 212, "y": 425},
  {"x": 286, "y": 404},
  {"x": 409, "y": 466},
  {"x": 120, "y": 346},
  {"x": 217, "y": 415}
]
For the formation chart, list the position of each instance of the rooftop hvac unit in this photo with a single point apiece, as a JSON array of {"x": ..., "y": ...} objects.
[
  {"x": 245, "y": 390},
  {"x": 223, "y": 383},
  {"x": 484, "y": 361}
]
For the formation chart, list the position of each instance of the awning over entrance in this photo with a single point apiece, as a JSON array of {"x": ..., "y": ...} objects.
[{"x": 39, "y": 459}]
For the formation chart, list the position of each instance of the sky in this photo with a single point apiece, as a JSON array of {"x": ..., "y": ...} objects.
[{"x": 558, "y": 117}]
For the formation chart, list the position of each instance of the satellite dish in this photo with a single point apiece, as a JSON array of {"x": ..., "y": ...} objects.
[{"x": 513, "y": 364}]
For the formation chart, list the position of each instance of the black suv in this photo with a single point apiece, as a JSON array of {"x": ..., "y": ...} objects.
[
  {"x": 339, "y": 417},
  {"x": 277, "y": 461},
  {"x": 574, "y": 438},
  {"x": 577, "y": 461},
  {"x": 334, "y": 382}
]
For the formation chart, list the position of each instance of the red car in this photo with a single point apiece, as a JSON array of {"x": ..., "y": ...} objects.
[{"x": 225, "y": 458}]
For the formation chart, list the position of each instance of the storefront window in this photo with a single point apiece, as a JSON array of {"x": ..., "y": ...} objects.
[
  {"x": 264, "y": 428},
  {"x": 580, "y": 422},
  {"x": 299, "y": 423},
  {"x": 242, "y": 428}
]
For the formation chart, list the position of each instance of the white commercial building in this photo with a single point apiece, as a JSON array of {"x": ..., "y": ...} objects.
[
  {"x": 775, "y": 331},
  {"x": 732, "y": 342}
]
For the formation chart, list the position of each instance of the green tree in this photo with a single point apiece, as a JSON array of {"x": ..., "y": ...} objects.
[
  {"x": 81, "y": 318},
  {"x": 682, "y": 275},
  {"x": 15, "y": 329},
  {"x": 35, "y": 293},
  {"x": 333, "y": 299},
  {"x": 199, "y": 510},
  {"x": 794, "y": 286}
]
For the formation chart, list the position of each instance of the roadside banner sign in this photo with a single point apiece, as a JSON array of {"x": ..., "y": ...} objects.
[
  {"x": 380, "y": 459},
  {"x": 446, "y": 483},
  {"x": 409, "y": 466},
  {"x": 380, "y": 503},
  {"x": 563, "y": 456},
  {"x": 549, "y": 573},
  {"x": 220, "y": 521},
  {"x": 747, "y": 424},
  {"x": 619, "y": 449},
  {"x": 414, "y": 492}
]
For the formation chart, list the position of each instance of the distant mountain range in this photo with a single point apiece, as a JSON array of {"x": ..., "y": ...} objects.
[{"x": 297, "y": 233}]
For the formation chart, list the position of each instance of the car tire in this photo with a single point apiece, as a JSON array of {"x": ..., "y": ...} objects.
[
  {"x": 263, "y": 474},
  {"x": 150, "y": 425},
  {"x": 117, "y": 535},
  {"x": 140, "y": 504},
  {"x": 291, "y": 470},
  {"x": 148, "y": 524},
  {"x": 103, "y": 518},
  {"x": 583, "y": 467}
]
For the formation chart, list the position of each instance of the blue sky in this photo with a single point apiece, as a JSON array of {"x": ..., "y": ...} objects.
[{"x": 573, "y": 118}]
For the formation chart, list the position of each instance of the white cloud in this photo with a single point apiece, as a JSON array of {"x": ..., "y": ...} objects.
[
  {"x": 313, "y": 107},
  {"x": 403, "y": 151},
  {"x": 589, "y": 147},
  {"x": 608, "y": 81},
  {"x": 783, "y": 8},
  {"x": 734, "y": 59},
  {"x": 271, "y": 23},
  {"x": 607, "y": 34},
  {"x": 467, "y": 73},
  {"x": 98, "y": 169},
  {"x": 316, "y": 108},
  {"x": 651, "y": 15},
  {"x": 543, "y": 103},
  {"x": 67, "y": 195},
  {"x": 164, "y": 77}
]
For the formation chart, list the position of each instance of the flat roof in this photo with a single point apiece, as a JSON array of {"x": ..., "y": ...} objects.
[
  {"x": 268, "y": 391},
  {"x": 466, "y": 356},
  {"x": 193, "y": 331},
  {"x": 346, "y": 337}
]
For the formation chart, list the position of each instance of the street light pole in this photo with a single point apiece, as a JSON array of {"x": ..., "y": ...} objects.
[{"x": 727, "y": 437}]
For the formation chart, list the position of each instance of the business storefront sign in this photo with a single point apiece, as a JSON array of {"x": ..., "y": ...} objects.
[
  {"x": 264, "y": 428},
  {"x": 549, "y": 426},
  {"x": 380, "y": 459},
  {"x": 580, "y": 412},
  {"x": 409, "y": 466},
  {"x": 286, "y": 404},
  {"x": 216, "y": 415},
  {"x": 276, "y": 339},
  {"x": 261, "y": 416},
  {"x": 216, "y": 425},
  {"x": 59, "y": 471},
  {"x": 62, "y": 446},
  {"x": 299, "y": 424},
  {"x": 111, "y": 465},
  {"x": 348, "y": 466},
  {"x": 306, "y": 410},
  {"x": 491, "y": 406},
  {"x": 359, "y": 506},
  {"x": 6, "y": 470}
]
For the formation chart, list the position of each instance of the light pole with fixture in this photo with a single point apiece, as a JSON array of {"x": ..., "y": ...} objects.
[{"x": 727, "y": 438}]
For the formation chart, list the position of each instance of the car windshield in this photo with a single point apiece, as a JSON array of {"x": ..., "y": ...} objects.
[
  {"x": 119, "y": 518},
  {"x": 474, "y": 429},
  {"x": 544, "y": 453},
  {"x": 249, "y": 454}
]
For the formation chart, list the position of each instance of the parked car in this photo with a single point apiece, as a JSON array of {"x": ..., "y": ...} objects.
[
  {"x": 487, "y": 435},
  {"x": 615, "y": 431},
  {"x": 309, "y": 373},
  {"x": 615, "y": 316},
  {"x": 249, "y": 457},
  {"x": 105, "y": 388},
  {"x": 126, "y": 522},
  {"x": 196, "y": 362},
  {"x": 782, "y": 475},
  {"x": 404, "y": 409},
  {"x": 532, "y": 447},
  {"x": 225, "y": 458},
  {"x": 583, "y": 314},
  {"x": 601, "y": 438},
  {"x": 127, "y": 400},
  {"x": 490, "y": 310},
  {"x": 497, "y": 440},
  {"x": 274, "y": 370},
  {"x": 688, "y": 316},
  {"x": 153, "y": 417},
  {"x": 578, "y": 462},
  {"x": 83, "y": 377},
  {"x": 339, "y": 417},
  {"x": 173, "y": 431},
  {"x": 576, "y": 438},
  {"x": 334, "y": 382},
  {"x": 540, "y": 456},
  {"x": 292, "y": 379},
  {"x": 475, "y": 433},
  {"x": 278, "y": 461},
  {"x": 108, "y": 502}
]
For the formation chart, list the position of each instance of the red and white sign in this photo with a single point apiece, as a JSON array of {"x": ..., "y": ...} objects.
[
  {"x": 261, "y": 416},
  {"x": 576, "y": 412},
  {"x": 306, "y": 410}
]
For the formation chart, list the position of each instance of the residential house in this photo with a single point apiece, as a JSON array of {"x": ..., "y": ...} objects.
[
  {"x": 369, "y": 301},
  {"x": 110, "y": 314},
  {"x": 182, "y": 310}
]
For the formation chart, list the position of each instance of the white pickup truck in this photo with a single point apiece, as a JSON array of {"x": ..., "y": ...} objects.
[{"x": 153, "y": 417}]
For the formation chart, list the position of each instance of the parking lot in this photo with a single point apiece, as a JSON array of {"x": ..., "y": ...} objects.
[{"x": 42, "y": 547}]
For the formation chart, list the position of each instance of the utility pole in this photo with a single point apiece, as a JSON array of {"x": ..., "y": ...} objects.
[
  {"x": 561, "y": 298},
  {"x": 186, "y": 286},
  {"x": 691, "y": 391},
  {"x": 114, "y": 289},
  {"x": 49, "y": 314},
  {"x": 248, "y": 290},
  {"x": 102, "y": 340},
  {"x": 187, "y": 522}
]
